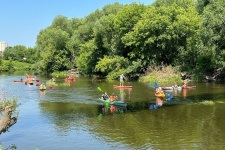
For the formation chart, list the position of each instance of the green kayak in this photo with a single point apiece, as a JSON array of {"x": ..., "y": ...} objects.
[{"x": 113, "y": 103}]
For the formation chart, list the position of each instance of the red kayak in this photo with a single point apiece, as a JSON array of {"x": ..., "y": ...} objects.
[
  {"x": 25, "y": 80},
  {"x": 70, "y": 79},
  {"x": 189, "y": 87},
  {"x": 117, "y": 86}
]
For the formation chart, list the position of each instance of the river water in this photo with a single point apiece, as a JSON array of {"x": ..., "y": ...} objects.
[{"x": 70, "y": 116}]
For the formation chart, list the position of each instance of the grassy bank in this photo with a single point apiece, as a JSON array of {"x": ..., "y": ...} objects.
[
  {"x": 59, "y": 74},
  {"x": 161, "y": 74},
  {"x": 22, "y": 65},
  {"x": 7, "y": 65}
]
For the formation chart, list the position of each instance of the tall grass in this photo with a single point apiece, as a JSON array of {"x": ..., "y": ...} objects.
[
  {"x": 58, "y": 74},
  {"x": 161, "y": 74},
  {"x": 22, "y": 65}
]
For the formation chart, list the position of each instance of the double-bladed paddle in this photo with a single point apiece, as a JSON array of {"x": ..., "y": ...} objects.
[
  {"x": 155, "y": 84},
  {"x": 100, "y": 89}
]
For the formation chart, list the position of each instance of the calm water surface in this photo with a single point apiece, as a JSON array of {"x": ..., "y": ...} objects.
[{"x": 70, "y": 116}]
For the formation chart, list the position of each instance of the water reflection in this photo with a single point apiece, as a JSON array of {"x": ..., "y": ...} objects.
[
  {"x": 125, "y": 91},
  {"x": 159, "y": 101},
  {"x": 147, "y": 128},
  {"x": 185, "y": 93},
  {"x": 113, "y": 109},
  {"x": 42, "y": 93}
]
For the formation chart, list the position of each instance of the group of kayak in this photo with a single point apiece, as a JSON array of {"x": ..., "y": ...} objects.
[
  {"x": 70, "y": 78},
  {"x": 30, "y": 79},
  {"x": 159, "y": 91}
]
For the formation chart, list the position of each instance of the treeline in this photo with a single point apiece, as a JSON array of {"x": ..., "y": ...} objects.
[
  {"x": 19, "y": 58},
  {"x": 22, "y": 54},
  {"x": 186, "y": 34}
]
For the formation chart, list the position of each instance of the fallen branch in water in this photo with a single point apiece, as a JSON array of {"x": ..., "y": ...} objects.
[
  {"x": 6, "y": 120},
  {"x": 8, "y": 107}
]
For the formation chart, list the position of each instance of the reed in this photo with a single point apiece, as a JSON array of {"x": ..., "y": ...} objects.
[
  {"x": 161, "y": 74},
  {"x": 59, "y": 74}
]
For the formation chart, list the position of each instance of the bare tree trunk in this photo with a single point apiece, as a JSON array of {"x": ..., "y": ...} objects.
[{"x": 6, "y": 120}]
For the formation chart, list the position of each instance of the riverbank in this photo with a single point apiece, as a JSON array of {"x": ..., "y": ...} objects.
[{"x": 8, "y": 65}]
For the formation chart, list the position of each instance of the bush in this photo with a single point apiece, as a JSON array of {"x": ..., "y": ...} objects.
[{"x": 161, "y": 74}]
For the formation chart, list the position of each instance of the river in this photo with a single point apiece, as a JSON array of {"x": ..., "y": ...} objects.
[{"x": 69, "y": 116}]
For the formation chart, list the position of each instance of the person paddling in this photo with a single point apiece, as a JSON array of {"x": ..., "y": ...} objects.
[
  {"x": 112, "y": 98},
  {"x": 121, "y": 79},
  {"x": 175, "y": 85},
  {"x": 42, "y": 85},
  {"x": 185, "y": 85},
  {"x": 105, "y": 96},
  {"x": 159, "y": 91}
]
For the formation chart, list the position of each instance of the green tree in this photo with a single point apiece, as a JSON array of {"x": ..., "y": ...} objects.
[
  {"x": 124, "y": 22},
  {"x": 15, "y": 53},
  {"x": 201, "y": 4},
  {"x": 181, "y": 3},
  {"x": 112, "y": 66},
  {"x": 165, "y": 35},
  {"x": 52, "y": 44},
  {"x": 88, "y": 58},
  {"x": 212, "y": 46},
  {"x": 112, "y": 9},
  {"x": 62, "y": 22}
]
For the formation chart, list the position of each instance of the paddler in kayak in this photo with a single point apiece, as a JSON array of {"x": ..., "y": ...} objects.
[
  {"x": 42, "y": 86},
  {"x": 121, "y": 79},
  {"x": 105, "y": 96},
  {"x": 175, "y": 85},
  {"x": 112, "y": 98},
  {"x": 53, "y": 79},
  {"x": 159, "y": 91},
  {"x": 185, "y": 85}
]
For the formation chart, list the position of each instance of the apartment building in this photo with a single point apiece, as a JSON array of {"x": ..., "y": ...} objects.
[{"x": 3, "y": 45}]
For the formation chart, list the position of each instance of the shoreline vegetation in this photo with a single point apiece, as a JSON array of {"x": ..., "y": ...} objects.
[
  {"x": 161, "y": 74},
  {"x": 134, "y": 40}
]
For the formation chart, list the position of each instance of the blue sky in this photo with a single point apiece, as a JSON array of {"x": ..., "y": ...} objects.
[{"x": 21, "y": 20}]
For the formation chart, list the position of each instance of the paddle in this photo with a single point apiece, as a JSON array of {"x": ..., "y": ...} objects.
[
  {"x": 155, "y": 84},
  {"x": 121, "y": 93},
  {"x": 151, "y": 86},
  {"x": 100, "y": 89},
  {"x": 151, "y": 106},
  {"x": 169, "y": 98}
]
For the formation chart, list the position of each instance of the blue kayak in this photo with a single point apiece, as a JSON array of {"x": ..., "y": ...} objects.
[{"x": 120, "y": 103}]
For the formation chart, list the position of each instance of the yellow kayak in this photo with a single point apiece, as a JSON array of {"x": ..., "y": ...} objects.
[
  {"x": 157, "y": 94},
  {"x": 42, "y": 88}
]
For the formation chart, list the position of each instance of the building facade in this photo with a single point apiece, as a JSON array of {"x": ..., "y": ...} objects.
[{"x": 3, "y": 45}]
